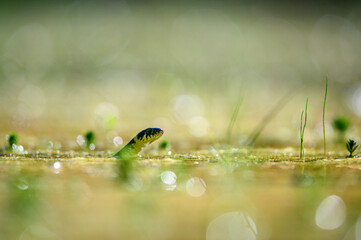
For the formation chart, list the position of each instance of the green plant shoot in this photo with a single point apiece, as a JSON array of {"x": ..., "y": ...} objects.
[
  {"x": 323, "y": 119},
  {"x": 302, "y": 130}
]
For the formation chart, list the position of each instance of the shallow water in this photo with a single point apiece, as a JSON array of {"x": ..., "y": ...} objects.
[{"x": 211, "y": 194}]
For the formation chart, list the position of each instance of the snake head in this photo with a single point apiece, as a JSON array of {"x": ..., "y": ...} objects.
[
  {"x": 141, "y": 140},
  {"x": 149, "y": 135}
]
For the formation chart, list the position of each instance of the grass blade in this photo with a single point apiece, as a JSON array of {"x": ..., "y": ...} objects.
[
  {"x": 233, "y": 119},
  {"x": 302, "y": 131},
  {"x": 266, "y": 119},
  {"x": 323, "y": 119}
]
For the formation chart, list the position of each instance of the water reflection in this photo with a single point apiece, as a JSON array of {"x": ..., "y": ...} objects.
[
  {"x": 331, "y": 213},
  {"x": 232, "y": 225},
  {"x": 57, "y": 165},
  {"x": 195, "y": 187}
]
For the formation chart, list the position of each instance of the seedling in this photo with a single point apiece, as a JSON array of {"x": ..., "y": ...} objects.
[
  {"x": 164, "y": 145},
  {"x": 302, "y": 131},
  {"x": 90, "y": 140},
  {"x": 13, "y": 140},
  {"x": 351, "y": 146},
  {"x": 323, "y": 119}
]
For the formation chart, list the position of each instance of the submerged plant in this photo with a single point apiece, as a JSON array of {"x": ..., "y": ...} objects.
[
  {"x": 90, "y": 140},
  {"x": 323, "y": 119},
  {"x": 12, "y": 140},
  {"x": 351, "y": 146},
  {"x": 302, "y": 130}
]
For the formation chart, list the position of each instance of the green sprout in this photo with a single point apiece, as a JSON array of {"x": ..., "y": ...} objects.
[
  {"x": 13, "y": 140},
  {"x": 323, "y": 119},
  {"x": 341, "y": 125},
  {"x": 351, "y": 146},
  {"x": 302, "y": 131},
  {"x": 90, "y": 139},
  {"x": 164, "y": 145}
]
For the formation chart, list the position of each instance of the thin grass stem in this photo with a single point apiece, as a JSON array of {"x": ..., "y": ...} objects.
[
  {"x": 233, "y": 119},
  {"x": 302, "y": 131},
  {"x": 323, "y": 119},
  {"x": 301, "y": 134},
  {"x": 270, "y": 115}
]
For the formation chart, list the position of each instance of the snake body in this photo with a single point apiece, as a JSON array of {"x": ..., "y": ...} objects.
[{"x": 141, "y": 140}]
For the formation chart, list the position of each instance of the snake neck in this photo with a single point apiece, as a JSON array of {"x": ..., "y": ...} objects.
[
  {"x": 129, "y": 151},
  {"x": 140, "y": 141}
]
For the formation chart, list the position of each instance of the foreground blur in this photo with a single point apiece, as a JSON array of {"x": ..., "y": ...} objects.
[{"x": 234, "y": 194}]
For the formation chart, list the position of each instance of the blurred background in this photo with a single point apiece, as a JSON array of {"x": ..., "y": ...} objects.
[{"x": 117, "y": 67}]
